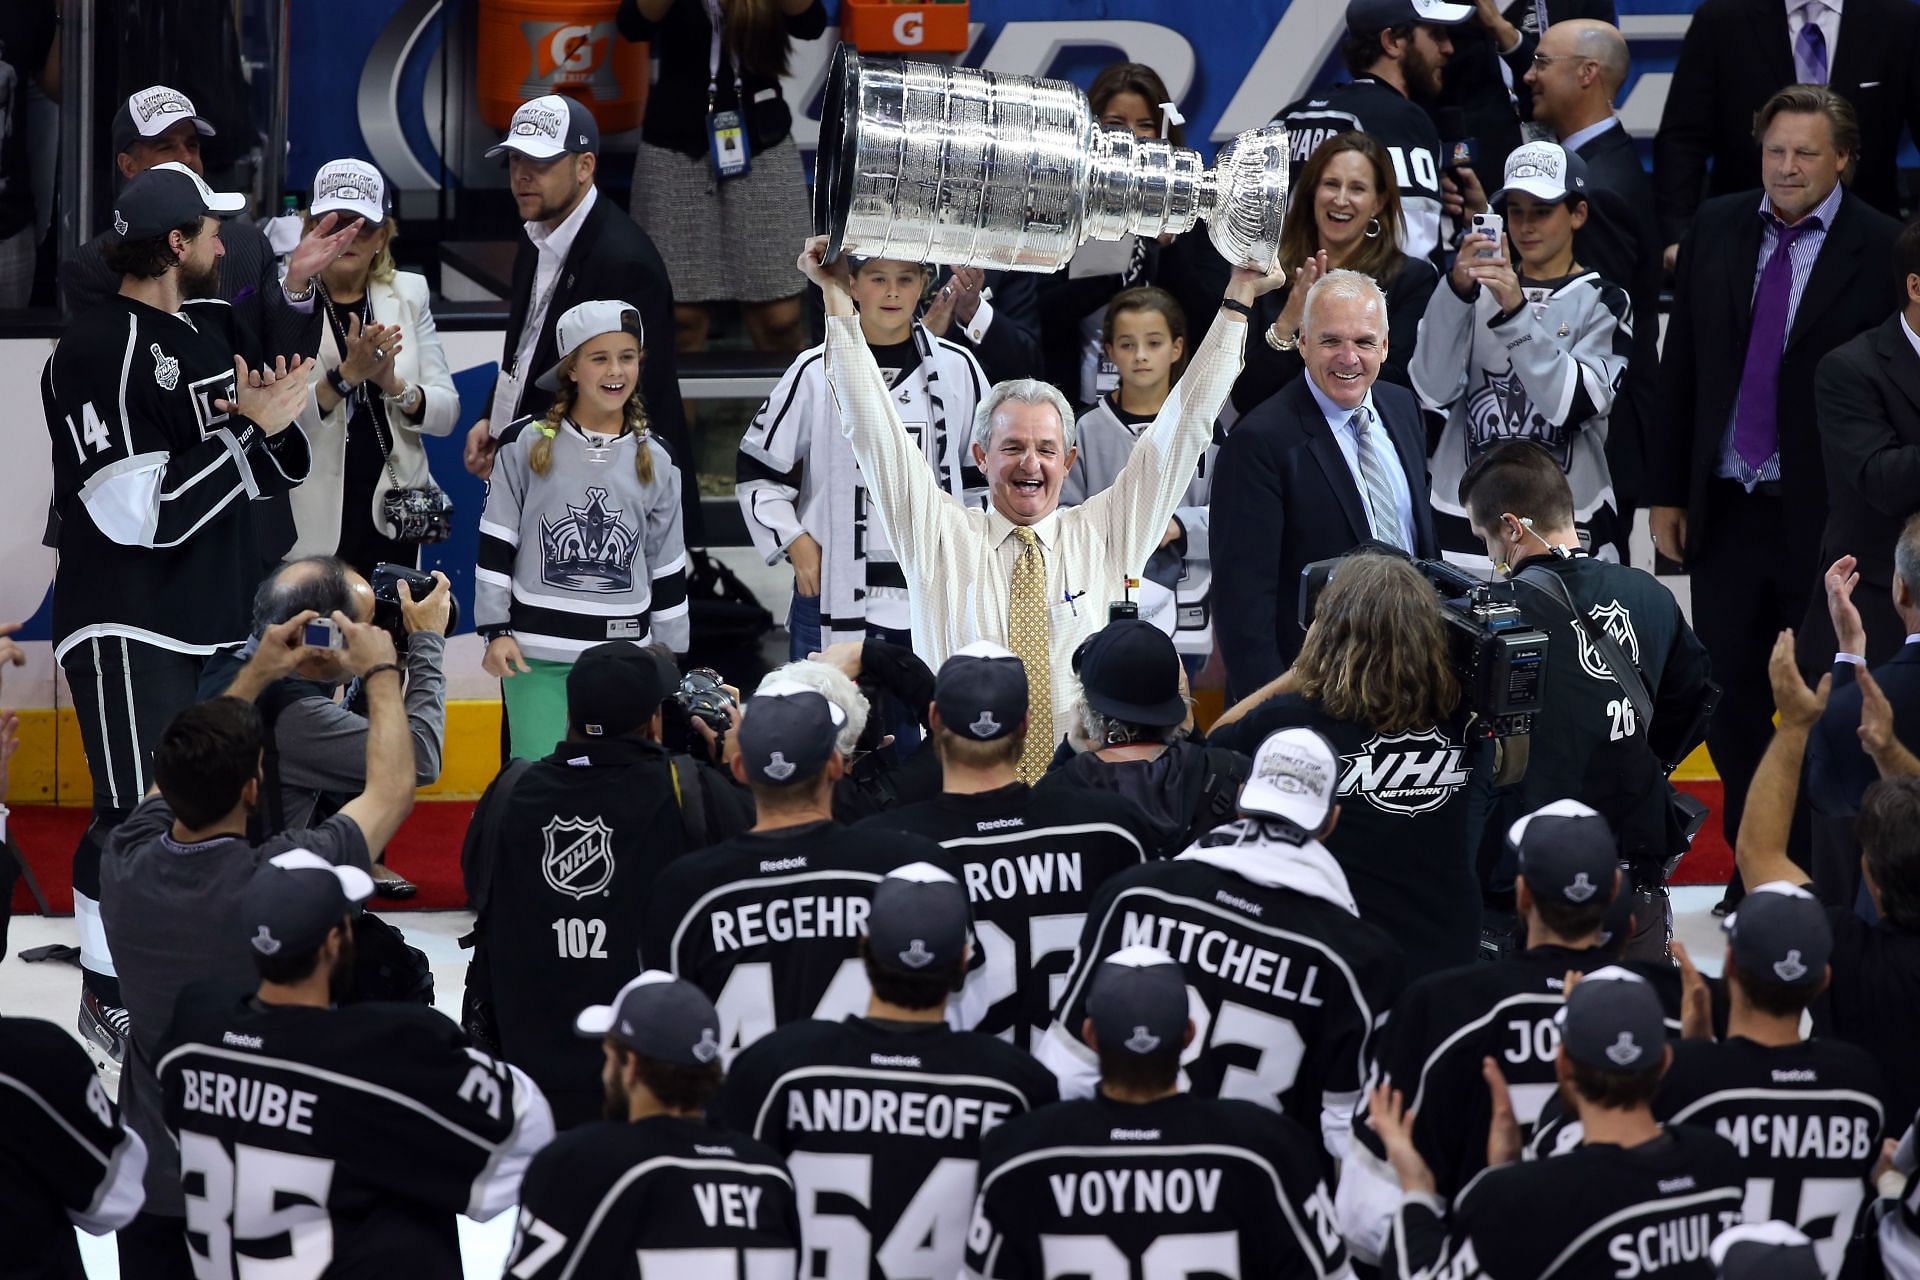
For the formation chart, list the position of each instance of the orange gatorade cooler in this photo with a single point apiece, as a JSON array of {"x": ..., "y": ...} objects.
[{"x": 528, "y": 48}]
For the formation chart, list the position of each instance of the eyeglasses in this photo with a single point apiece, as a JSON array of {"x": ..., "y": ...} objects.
[{"x": 1542, "y": 61}]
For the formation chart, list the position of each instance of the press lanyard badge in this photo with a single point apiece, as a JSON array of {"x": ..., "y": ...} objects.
[{"x": 726, "y": 130}]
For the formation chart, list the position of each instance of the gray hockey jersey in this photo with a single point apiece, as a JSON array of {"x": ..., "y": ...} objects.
[
  {"x": 1175, "y": 593},
  {"x": 585, "y": 553},
  {"x": 796, "y": 474},
  {"x": 1548, "y": 373}
]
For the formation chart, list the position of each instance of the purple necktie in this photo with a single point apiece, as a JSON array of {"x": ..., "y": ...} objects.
[
  {"x": 1756, "y": 427},
  {"x": 1810, "y": 47}
]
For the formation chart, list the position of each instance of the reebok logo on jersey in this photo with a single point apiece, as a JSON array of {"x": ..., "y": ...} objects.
[
  {"x": 999, "y": 824},
  {"x": 1226, "y": 899},
  {"x": 700, "y": 1149},
  {"x": 893, "y": 1060},
  {"x": 916, "y": 956},
  {"x": 1134, "y": 1135},
  {"x": 1405, "y": 773},
  {"x": 1624, "y": 1052},
  {"x": 265, "y": 943},
  {"x": 238, "y": 1041},
  {"x": 166, "y": 369},
  {"x": 1142, "y": 1041},
  {"x": 784, "y": 864},
  {"x": 578, "y": 860},
  {"x": 1791, "y": 969},
  {"x": 1670, "y": 1185},
  {"x": 1581, "y": 889},
  {"x": 1797, "y": 1075}
]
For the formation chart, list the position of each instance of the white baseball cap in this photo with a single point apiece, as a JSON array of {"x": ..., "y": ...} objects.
[
  {"x": 590, "y": 320},
  {"x": 352, "y": 187},
  {"x": 1295, "y": 775},
  {"x": 1546, "y": 171},
  {"x": 550, "y": 126},
  {"x": 151, "y": 112}
]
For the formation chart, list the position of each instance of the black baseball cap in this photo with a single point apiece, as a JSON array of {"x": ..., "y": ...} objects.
[
  {"x": 1138, "y": 1001},
  {"x": 982, "y": 691},
  {"x": 657, "y": 1016},
  {"x": 151, "y": 112},
  {"x": 613, "y": 689},
  {"x": 1613, "y": 1022},
  {"x": 549, "y": 126},
  {"x": 1377, "y": 15},
  {"x": 294, "y": 899},
  {"x": 1566, "y": 853},
  {"x": 1781, "y": 934},
  {"x": 918, "y": 921},
  {"x": 787, "y": 732},
  {"x": 1770, "y": 1250},
  {"x": 157, "y": 200},
  {"x": 1131, "y": 671}
]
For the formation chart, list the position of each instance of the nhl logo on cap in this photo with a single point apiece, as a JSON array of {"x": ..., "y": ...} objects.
[
  {"x": 578, "y": 860},
  {"x": 707, "y": 1048},
  {"x": 119, "y": 223},
  {"x": 916, "y": 956},
  {"x": 779, "y": 768},
  {"x": 1791, "y": 969},
  {"x": 1142, "y": 1041},
  {"x": 264, "y": 942},
  {"x": 1623, "y": 1052},
  {"x": 985, "y": 726},
  {"x": 1581, "y": 889}
]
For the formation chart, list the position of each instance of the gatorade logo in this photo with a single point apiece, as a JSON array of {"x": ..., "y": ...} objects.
[
  {"x": 568, "y": 54},
  {"x": 910, "y": 28},
  {"x": 571, "y": 49}
]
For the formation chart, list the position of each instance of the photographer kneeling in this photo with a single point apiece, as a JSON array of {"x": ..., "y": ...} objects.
[
  {"x": 315, "y": 737},
  {"x": 1373, "y": 678},
  {"x": 1626, "y": 695}
]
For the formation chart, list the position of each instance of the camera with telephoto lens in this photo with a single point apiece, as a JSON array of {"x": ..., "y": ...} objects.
[
  {"x": 387, "y": 613},
  {"x": 1500, "y": 660},
  {"x": 701, "y": 694}
]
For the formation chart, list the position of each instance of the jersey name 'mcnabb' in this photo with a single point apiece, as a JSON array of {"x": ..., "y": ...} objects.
[{"x": 1101, "y": 1191}]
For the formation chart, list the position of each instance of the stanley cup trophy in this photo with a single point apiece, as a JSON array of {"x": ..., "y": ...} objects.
[{"x": 950, "y": 165}]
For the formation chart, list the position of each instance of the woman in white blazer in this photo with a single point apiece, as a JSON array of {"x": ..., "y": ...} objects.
[{"x": 381, "y": 381}]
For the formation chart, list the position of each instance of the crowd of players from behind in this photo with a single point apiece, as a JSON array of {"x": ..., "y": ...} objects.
[{"x": 986, "y": 1035}]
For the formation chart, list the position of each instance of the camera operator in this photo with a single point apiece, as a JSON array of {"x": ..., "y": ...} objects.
[
  {"x": 1374, "y": 680},
  {"x": 1604, "y": 736},
  {"x": 316, "y": 739},
  {"x": 561, "y": 859},
  {"x": 1133, "y": 740}
]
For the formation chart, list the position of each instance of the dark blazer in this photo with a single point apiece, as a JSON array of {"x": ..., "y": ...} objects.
[
  {"x": 1839, "y": 771},
  {"x": 611, "y": 258},
  {"x": 1868, "y": 396},
  {"x": 1011, "y": 347},
  {"x": 1736, "y": 55},
  {"x": 1850, "y": 290},
  {"x": 1622, "y": 242},
  {"x": 1283, "y": 497}
]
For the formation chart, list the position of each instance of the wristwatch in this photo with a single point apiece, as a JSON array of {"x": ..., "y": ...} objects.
[
  {"x": 338, "y": 381},
  {"x": 1279, "y": 343},
  {"x": 1235, "y": 305},
  {"x": 301, "y": 295},
  {"x": 407, "y": 401}
]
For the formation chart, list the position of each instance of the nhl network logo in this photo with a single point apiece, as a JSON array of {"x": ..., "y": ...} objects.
[
  {"x": 591, "y": 550},
  {"x": 1581, "y": 889},
  {"x": 579, "y": 856},
  {"x": 1142, "y": 1041},
  {"x": 916, "y": 956},
  {"x": 1405, "y": 773},
  {"x": 1792, "y": 969},
  {"x": 779, "y": 768},
  {"x": 1624, "y": 1052}
]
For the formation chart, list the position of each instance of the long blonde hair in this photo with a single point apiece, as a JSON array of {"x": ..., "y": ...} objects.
[
  {"x": 540, "y": 457},
  {"x": 1377, "y": 651}
]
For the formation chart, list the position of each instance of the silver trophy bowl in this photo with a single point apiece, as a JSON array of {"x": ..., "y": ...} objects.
[{"x": 932, "y": 163}]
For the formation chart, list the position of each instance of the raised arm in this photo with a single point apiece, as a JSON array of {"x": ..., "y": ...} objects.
[{"x": 1761, "y": 849}]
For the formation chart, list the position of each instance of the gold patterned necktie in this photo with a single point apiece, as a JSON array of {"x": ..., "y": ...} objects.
[{"x": 1030, "y": 636}]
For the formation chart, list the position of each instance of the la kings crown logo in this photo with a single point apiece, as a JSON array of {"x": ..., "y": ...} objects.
[
  {"x": 1614, "y": 619},
  {"x": 579, "y": 856},
  {"x": 1405, "y": 773},
  {"x": 591, "y": 550}
]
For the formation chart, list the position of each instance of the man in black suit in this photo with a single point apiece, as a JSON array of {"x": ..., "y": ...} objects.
[
  {"x": 578, "y": 247},
  {"x": 1867, "y": 393},
  {"x": 1839, "y": 770},
  {"x": 995, "y": 315},
  {"x": 1738, "y": 53},
  {"x": 1330, "y": 461},
  {"x": 1577, "y": 73},
  {"x": 1768, "y": 282}
]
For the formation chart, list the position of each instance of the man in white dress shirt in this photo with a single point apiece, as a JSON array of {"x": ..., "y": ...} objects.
[{"x": 1024, "y": 573}]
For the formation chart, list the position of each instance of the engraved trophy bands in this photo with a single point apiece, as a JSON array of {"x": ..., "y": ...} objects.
[{"x": 951, "y": 165}]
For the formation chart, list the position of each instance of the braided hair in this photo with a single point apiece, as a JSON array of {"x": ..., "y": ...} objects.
[{"x": 540, "y": 457}]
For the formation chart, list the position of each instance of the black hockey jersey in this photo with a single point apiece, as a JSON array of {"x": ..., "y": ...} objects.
[
  {"x": 665, "y": 1197},
  {"x": 880, "y": 1125},
  {"x": 769, "y": 925},
  {"x": 1183, "y": 1186},
  {"x": 1431, "y": 1050},
  {"x": 65, "y": 1159},
  {"x": 1399, "y": 125},
  {"x": 1287, "y": 985},
  {"x": 1033, "y": 861},
  {"x": 1600, "y": 1212},
  {"x": 339, "y": 1141},
  {"x": 1806, "y": 1118},
  {"x": 152, "y": 485},
  {"x": 560, "y": 875}
]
